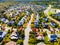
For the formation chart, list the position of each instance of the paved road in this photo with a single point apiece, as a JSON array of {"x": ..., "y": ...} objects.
[
  {"x": 46, "y": 13},
  {"x": 57, "y": 22},
  {"x": 27, "y": 30}
]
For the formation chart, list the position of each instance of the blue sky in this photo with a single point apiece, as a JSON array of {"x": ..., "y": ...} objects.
[{"x": 0, "y": 0}]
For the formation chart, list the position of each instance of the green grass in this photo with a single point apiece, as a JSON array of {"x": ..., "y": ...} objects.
[
  {"x": 49, "y": 13},
  {"x": 51, "y": 43}
]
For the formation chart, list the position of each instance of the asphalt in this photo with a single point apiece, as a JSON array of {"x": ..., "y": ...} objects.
[{"x": 27, "y": 30}]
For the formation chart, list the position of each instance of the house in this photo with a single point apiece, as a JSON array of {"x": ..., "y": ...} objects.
[
  {"x": 14, "y": 29},
  {"x": 35, "y": 29},
  {"x": 40, "y": 37},
  {"x": 58, "y": 14},
  {"x": 11, "y": 22},
  {"x": 20, "y": 23},
  {"x": 2, "y": 34},
  {"x": 45, "y": 19},
  {"x": 27, "y": 13},
  {"x": 8, "y": 28},
  {"x": 56, "y": 29},
  {"x": 4, "y": 20},
  {"x": 52, "y": 37},
  {"x": 44, "y": 24},
  {"x": 36, "y": 23},
  {"x": 52, "y": 24},
  {"x": 14, "y": 35},
  {"x": 17, "y": 13},
  {"x": 21, "y": 28},
  {"x": 11, "y": 43},
  {"x": 58, "y": 35}
]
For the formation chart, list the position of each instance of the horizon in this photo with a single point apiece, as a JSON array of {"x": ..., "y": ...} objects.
[{"x": 31, "y": 0}]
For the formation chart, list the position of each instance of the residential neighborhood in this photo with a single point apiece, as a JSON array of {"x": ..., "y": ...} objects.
[{"x": 29, "y": 23}]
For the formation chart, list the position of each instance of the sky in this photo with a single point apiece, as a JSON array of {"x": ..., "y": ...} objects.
[
  {"x": 21, "y": 0},
  {"x": 29, "y": 0},
  {"x": 0, "y": 0}
]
